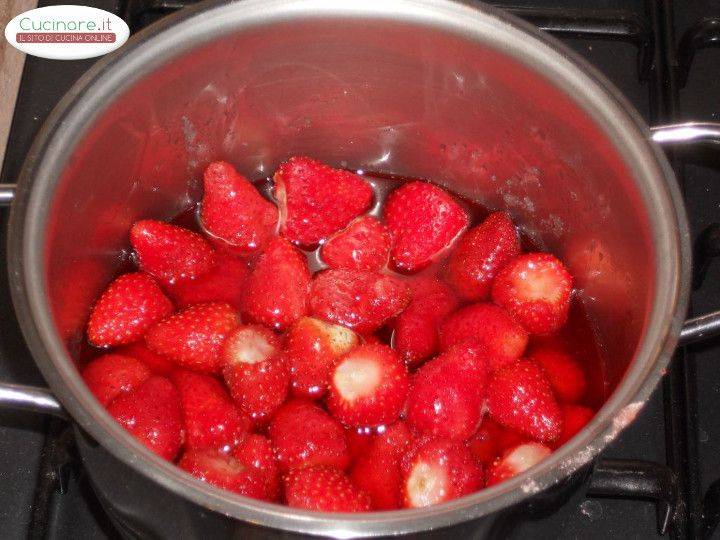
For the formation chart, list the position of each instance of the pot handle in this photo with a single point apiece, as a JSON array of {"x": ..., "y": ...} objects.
[{"x": 30, "y": 398}]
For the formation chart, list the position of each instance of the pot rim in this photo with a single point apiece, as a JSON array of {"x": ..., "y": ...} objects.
[{"x": 191, "y": 27}]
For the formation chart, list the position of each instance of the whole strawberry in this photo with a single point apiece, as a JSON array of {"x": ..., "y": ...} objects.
[
  {"x": 491, "y": 441},
  {"x": 362, "y": 245},
  {"x": 224, "y": 471},
  {"x": 324, "y": 489},
  {"x": 110, "y": 375},
  {"x": 156, "y": 363},
  {"x": 256, "y": 451},
  {"x": 564, "y": 372},
  {"x": 575, "y": 417},
  {"x": 515, "y": 461}
]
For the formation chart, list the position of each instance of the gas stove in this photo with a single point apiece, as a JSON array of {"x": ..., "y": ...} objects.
[{"x": 661, "y": 477}]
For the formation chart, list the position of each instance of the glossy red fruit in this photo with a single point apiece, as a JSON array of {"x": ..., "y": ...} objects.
[
  {"x": 440, "y": 470},
  {"x": 276, "y": 292},
  {"x": 396, "y": 437},
  {"x": 368, "y": 386},
  {"x": 169, "y": 252},
  {"x": 193, "y": 337},
  {"x": 156, "y": 363},
  {"x": 311, "y": 348},
  {"x": 424, "y": 222},
  {"x": 521, "y": 398},
  {"x": 110, "y": 375},
  {"x": 490, "y": 325},
  {"x": 446, "y": 394},
  {"x": 359, "y": 441},
  {"x": 211, "y": 418},
  {"x": 255, "y": 371},
  {"x": 224, "y": 471},
  {"x": 362, "y": 245},
  {"x": 491, "y": 441},
  {"x": 256, "y": 451},
  {"x": 305, "y": 435},
  {"x": 479, "y": 255},
  {"x": 535, "y": 289},
  {"x": 234, "y": 211},
  {"x": 575, "y": 417},
  {"x": 324, "y": 489},
  {"x": 152, "y": 414},
  {"x": 377, "y": 473},
  {"x": 362, "y": 301},
  {"x": 224, "y": 283},
  {"x": 564, "y": 372},
  {"x": 316, "y": 200},
  {"x": 130, "y": 305},
  {"x": 515, "y": 461}
]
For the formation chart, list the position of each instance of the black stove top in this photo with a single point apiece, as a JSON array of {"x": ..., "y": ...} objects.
[{"x": 660, "y": 56}]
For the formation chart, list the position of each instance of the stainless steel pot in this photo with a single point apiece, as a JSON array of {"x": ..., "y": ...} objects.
[{"x": 465, "y": 95}]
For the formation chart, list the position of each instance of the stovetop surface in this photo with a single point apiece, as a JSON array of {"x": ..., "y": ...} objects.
[{"x": 46, "y": 495}]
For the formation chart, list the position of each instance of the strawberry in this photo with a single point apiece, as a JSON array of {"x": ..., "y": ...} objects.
[
  {"x": 396, "y": 437},
  {"x": 362, "y": 301},
  {"x": 535, "y": 289},
  {"x": 169, "y": 252},
  {"x": 491, "y": 440},
  {"x": 305, "y": 435},
  {"x": 255, "y": 371},
  {"x": 521, "y": 398},
  {"x": 316, "y": 200},
  {"x": 446, "y": 394},
  {"x": 224, "y": 283},
  {"x": 211, "y": 418},
  {"x": 324, "y": 489},
  {"x": 110, "y": 375},
  {"x": 515, "y": 461},
  {"x": 156, "y": 363},
  {"x": 276, "y": 292},
  {"x": 257, "y": 452},
  {"x": 368, "y": 386},
  {"x": 130, "y": 305},
  {"x": 152, "y": 414},
  {"x": 224, "y": 471},
  {"x": 575, "y": 417},
  {"x": 424, "y": 222},
  {"x": 359, "y": 441},
  {"x": 438, "y": 471},
  {"x": 233, "y": 211},
  {"x": 377, "y": 473},
  {"x": 362, "y": 245},
  {"x": 312, "y": 346},
  {"x": 490, "y": 325},
  {"x": 564, "y": 372},
  {"x": 480, "y": 253},
  {"x": 193, "y": 337}
]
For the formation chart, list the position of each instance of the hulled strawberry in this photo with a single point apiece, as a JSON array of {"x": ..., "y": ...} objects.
[
  {"x": 564, "y": 372},
  {"x": 110, "y": 375},
  {"x": 521, "y": 398},
  {"x": 362, "y": 245},
  {"x": 130, "y": 305},
  {"x": 156, "y": 363},
  {"x": 257, "y": 452},
  {"x": 535, "y": 288},
  {"x": 324, "y": 489},
  {"x": 491, "y": 440},
  {"x": 575, "y": 417},
  {"x": 276, "y": 292},
  {"x": 377, "y": 473},
  {"x": 311, "y": 348},
  {"x": 152, "y": 414},
  {"x": 479, "y": 254},
  {"x": 424, "y": 222},
  {"x": 362, "y": 301},
  {"x": 224, "y": 471},
  {"x": 169, "y": 252},
  {"x": 234, "y": 211},
  {"x": 368, "y": 386},
  {"x": 515, "y": 461},
  {"x": 193, "y": 337},
  {"x": 316, "y": 200}
]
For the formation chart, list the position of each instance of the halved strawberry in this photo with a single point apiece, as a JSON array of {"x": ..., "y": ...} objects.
[
  {"x": 490, "y": 325},
  {"x": 257, "y": 452},
  {"x": 368, "y": 386},
  {"x": 424, "y": 221},
  {"x": 156, "y": 363},
  {"x": 110, "y": 375},
  {"x": 211, "y": 418},
  {"x": 276, "y": 292},
  {"x": 535, "y": 288},
  {"x": 324, "y": 489},
  {"x": 169, "y": 252},
  {"x": 311, "y": 348},
  {"x": 362, "y": 245},
  {"x": 305, "y": 435},
  {"x": 193, "y": 337},
  {"x": 491, "y": 441},
  {"x": 564, "y": 372},
  {"x": 130, "y": 305},
  {"x": 515, "y": 461},
  {"x": 575, "y": 417},
  {"x": 479, "y": 254},
  {"x": 316, "y": 200},
  {"x": 152, "y": 414},
  {"x": 255, "y": 371},
  {"x": 362, "y": 301},
  {"x": 438, "y": 471},
  {"x": 446, "y": 394},
  {"x": 224, "y": 471},
  {"x": 234, "y": 211},
  {"x": 520, "y": 397}
]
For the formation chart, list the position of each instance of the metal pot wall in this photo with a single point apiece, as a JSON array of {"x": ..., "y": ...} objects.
[{"x": 467, "y": 96}]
